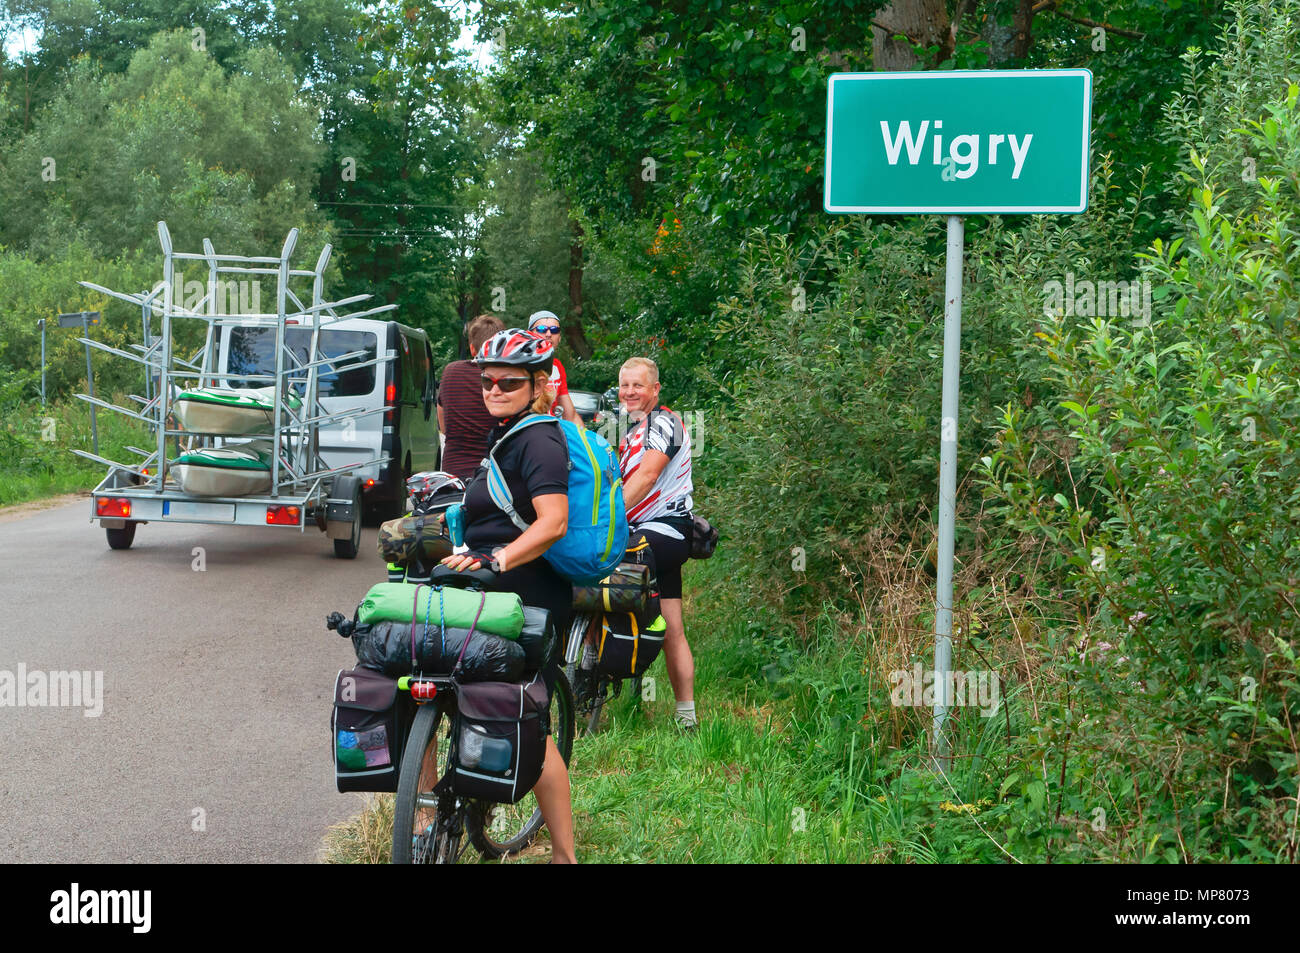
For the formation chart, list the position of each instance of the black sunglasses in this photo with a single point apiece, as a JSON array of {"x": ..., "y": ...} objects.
[{"x": 508, "y": 385}]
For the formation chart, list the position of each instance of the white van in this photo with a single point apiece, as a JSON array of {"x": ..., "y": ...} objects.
[{"x": 408, "y": 433}]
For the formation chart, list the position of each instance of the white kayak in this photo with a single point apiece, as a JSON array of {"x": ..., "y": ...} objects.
[
  {"x": 223, "y": 471},
  {"x": 233, "y": 411}
]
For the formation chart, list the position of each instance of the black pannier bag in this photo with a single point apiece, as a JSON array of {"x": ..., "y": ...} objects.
[
  {"x": 625, "y": 647},
  {"x": 369, "y": 726},
  {"x": 498, "y": 740}
]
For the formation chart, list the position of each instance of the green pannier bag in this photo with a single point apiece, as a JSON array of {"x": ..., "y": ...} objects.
[{"x": 503, "y": 612}]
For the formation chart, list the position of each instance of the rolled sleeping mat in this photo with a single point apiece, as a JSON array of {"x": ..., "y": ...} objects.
[
  {"x": 410, "y": 538},
  {"x": 502, "y": 612}
]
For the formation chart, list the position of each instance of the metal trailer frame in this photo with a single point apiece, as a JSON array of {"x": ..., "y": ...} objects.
[{"x": 299, "y": 475}]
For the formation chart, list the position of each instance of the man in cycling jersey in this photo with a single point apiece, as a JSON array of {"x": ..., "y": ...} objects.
[
  {"x": 547, "y": 324},
  {"x": 655, "y": 457}
]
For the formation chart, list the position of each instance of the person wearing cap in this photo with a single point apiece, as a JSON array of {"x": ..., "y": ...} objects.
[{"x": 548, "y": 325}]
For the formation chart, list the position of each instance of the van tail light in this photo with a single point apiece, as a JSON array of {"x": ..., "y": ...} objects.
[
  {"x": 283, "y": 515},
  {"x": 390, "y": 398},
  {"x": 114, "y": 506},
  {"x": 370, "y": 484}
]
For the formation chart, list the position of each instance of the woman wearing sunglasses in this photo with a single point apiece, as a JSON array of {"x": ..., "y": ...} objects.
[
  {"x": 547, "y": 324},
  {"x": 515, "y": 370}
]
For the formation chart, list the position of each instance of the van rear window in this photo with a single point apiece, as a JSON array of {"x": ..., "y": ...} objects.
[{"x": 252, "y": 351}]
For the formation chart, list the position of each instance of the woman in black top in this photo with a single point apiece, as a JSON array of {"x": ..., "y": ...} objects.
[{"x": 516, "y": 369}]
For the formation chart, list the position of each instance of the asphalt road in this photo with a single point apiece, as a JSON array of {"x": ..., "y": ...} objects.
[{"x": 216, "y": 696}]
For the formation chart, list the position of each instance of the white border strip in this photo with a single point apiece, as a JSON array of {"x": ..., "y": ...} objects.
[{"x": 962, "y": 209}]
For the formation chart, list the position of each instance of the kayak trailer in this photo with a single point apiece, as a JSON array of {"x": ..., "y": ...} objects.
[{"x": 277, "y": 455}]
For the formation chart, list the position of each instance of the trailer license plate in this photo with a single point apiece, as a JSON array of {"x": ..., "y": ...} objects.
[{"x": 214, "y": 512}]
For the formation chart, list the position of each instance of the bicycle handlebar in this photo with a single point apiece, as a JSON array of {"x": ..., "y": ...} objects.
[{"x": 484, "y": 577}]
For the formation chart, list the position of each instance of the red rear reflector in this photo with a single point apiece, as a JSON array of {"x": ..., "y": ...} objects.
[
  {"x": 424, "y": 691},
  {"x": 117, "y": 506},
  {"x": 283, "y": 515}
]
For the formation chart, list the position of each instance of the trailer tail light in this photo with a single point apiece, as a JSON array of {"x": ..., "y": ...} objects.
[
  {"x": 390, "y": 398},
  {"x": 113, "y": 506},
  {"x": 370, "y": 484},
  {"x": 423, "y": 691},
  {"x": 283, "y": 515}
]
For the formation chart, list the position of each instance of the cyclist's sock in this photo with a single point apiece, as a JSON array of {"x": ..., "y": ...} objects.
[{"x": 686, "y": 714}]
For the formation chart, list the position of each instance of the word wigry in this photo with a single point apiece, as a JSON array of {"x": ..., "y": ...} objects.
[
  {"x": 37, "y": 689},
  {"x": 963, "y": 157},
  {"x": 77, "y": 906},
  {"x": 1099, "y": 299},
  {"x": 918, "y": 687}
]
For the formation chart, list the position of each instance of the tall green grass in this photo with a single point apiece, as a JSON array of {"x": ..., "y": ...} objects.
[{"x": 36, "y": 442}]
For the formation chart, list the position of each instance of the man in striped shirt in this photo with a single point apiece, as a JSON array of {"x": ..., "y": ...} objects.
[
  {"x": 462, "y": 416},
  {"x": 655, "y": 458}
]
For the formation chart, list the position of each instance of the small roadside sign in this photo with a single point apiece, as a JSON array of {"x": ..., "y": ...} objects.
[
  {"x": 77, "y": 319},
  {"x": 958, "y": 142}
]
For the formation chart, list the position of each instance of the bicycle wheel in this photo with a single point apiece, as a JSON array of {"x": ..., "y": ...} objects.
[
  {"x": 504, "y": 830},
  {"x": 422, "y": 832}
]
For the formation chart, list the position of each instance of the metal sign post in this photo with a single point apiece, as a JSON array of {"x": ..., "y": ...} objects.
[
  {"x": 41, "y": 322},
  {"x": 86, "y": 319},
  {"x": 956, "y": 143},
  {"x": 947, "y": 487}
]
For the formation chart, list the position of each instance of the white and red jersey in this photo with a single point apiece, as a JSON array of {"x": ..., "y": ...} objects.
[
  {"x": 559, "y": 386},
  {"x": 664, "y": 431}
]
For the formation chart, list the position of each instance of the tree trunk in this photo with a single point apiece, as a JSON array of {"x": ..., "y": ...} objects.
[
  {"x": 1022, "y": 25},
  {"x": 573, "y": 333},
  {"x": 921, "y": 21}
]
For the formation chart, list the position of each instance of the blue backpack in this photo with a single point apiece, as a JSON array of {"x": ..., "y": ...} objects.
[{"x": 597, "y": 532}]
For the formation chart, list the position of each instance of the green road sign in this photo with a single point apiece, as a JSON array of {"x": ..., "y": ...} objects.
[{"x": 958, "y": 142}]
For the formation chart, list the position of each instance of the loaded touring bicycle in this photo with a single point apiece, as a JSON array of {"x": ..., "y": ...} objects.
[{"x": 295, "y": 417}]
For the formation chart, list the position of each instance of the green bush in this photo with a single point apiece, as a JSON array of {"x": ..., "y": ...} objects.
[{"x": 1178, "y": 538}]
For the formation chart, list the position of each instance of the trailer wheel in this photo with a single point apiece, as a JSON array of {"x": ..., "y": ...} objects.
[
  {"x": 121, "y": 538},
  {"x": 348, "y": 548}
]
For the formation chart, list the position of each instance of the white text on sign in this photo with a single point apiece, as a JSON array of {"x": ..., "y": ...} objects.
[{"x": 964, "y": 151}]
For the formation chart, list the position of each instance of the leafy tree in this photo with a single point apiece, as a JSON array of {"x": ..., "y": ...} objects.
[{"x": 230, "y": 158}]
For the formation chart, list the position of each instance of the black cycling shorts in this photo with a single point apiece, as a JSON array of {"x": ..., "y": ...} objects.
[
  {"x": 670, "y": 540},
  {"x": 538, "y": 584}
]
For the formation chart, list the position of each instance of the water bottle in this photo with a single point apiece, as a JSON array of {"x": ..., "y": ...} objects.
[
  {"x": 498, "y": 755},
  {"x": 455, "y": 517},
  {"x": 471, "y": 747}
]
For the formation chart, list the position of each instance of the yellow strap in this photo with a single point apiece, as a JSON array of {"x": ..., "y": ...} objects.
[
  {"x": 636, "y": 642},
  {"x": 605, "y": 592}
]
